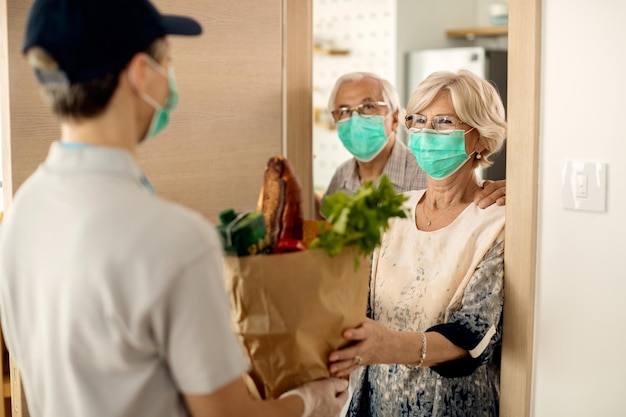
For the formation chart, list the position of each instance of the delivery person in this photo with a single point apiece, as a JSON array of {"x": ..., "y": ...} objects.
[{"x": 112, "y": 299}]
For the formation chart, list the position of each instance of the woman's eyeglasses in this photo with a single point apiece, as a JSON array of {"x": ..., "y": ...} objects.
[{"x": 441, "y": 123}]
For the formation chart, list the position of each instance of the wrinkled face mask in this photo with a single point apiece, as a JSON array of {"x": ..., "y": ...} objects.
[
  {"x": 161, "y": 116},
  {"x": 439, "y": 154},
  {"x": 363, "y": 137}
]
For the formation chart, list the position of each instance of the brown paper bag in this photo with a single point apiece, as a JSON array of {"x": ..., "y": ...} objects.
[{"x": 289, "y": 311}]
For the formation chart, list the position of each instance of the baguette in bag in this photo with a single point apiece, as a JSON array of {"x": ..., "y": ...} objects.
[{"x": 280, "y": 201}]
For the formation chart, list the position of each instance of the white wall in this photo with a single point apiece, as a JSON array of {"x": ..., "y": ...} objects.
[
  {"x": 580, "y": 329},
  {"x": 422, "y": 24}
]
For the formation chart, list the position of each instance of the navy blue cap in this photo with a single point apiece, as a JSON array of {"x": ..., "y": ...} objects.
[{"x": 92, "y": 38}]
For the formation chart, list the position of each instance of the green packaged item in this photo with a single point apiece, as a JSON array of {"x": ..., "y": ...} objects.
[{"x": 244, "y": 233}]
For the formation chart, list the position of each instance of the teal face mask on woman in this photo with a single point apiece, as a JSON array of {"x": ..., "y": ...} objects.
[
  {"x": 363, "y": 137},
  {"x": 161, "y": 116},
  {"x": 439, "y": 154}
]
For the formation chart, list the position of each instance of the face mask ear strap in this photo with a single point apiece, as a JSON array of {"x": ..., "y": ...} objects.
[
  {"x": 151, "y": 101},
  {"x": 156, "y": 66},
  {"x": 479, "y": 149},
  {"x": 131, "y": 80}
]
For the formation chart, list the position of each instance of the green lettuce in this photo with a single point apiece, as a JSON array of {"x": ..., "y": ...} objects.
[{"x": 359, "y": 220}]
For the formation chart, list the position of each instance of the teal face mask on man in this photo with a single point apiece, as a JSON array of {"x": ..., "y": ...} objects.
[
  {"x": 363, "y": 137},
  {"x": 161, "y": 116},
  {"x": 439, "y": 154}
]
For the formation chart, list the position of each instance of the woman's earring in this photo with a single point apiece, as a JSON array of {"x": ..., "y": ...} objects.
[{"x": 478, "y": 155}]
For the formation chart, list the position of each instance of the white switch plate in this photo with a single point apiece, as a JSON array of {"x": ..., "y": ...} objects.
[{"x": 583, "y": 185}]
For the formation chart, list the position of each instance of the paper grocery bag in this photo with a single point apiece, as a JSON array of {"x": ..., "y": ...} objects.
[{"x": 289, "y": 311}]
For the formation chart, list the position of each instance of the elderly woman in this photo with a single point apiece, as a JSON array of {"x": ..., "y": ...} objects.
[{"x": 430, "y": 346}]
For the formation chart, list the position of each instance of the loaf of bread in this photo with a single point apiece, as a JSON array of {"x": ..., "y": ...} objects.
[{"x": 280, "y": 201}]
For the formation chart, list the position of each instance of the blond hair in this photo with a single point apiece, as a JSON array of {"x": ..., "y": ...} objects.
[{"x": 476, "y": 102}]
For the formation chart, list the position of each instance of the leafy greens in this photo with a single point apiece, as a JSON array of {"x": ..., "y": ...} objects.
[{"x": 359, "y": 220}]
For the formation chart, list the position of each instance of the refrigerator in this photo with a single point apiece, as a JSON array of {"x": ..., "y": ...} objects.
[
  {"x": 422, "y": 63},
  {"x": 488, "y": 64}
]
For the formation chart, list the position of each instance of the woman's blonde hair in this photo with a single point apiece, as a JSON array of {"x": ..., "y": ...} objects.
[{"x": 476, "y": 102}]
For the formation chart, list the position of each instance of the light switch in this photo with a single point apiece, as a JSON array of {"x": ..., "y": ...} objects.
[{"x": 583, "y": 185}]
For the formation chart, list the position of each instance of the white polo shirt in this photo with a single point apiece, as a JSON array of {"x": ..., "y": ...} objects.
[{"x": 112, "y": 299}]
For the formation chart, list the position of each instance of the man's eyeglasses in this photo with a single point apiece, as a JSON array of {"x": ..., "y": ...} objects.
[
  {"x": 367, "y": 109},
  {"x": 442, "y": 123}
]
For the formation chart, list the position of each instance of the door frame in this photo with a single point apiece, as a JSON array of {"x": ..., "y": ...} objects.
[
  {"x": 524, "y": 73},
  {"x": 523, "y": 102}
]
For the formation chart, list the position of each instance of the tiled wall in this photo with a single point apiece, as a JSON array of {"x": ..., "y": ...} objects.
[{"x": 350, "y": 35}]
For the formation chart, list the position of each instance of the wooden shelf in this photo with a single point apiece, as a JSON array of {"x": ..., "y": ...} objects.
[
  {"x": 473, "y": 33},
  {"x": 330, "y": 51}
]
